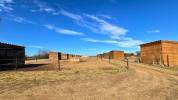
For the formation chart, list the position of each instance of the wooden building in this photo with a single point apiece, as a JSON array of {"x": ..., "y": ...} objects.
[
  {"x": 116, "y": 55},
  {"x": 11, "y": 55},
  {"x": 160, "y": 52}
]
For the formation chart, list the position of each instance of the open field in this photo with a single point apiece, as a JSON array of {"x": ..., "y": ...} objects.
[{"x": 88, "y": 80}]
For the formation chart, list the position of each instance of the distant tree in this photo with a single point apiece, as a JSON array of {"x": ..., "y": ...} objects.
[{"x": 42, "y": 54}]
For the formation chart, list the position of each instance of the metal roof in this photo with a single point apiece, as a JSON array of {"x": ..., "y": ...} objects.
[
  {"x": 159, "y": 41},
  {"x": 10, "y": 45}
]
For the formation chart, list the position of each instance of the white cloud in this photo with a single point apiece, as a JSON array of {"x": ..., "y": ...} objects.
[
  {"x": 126, "y": 42},
  {"x": 99, "y": 41},
  {"x": 71, "y": 15},
  {"x": 19, "y": 19},
  {"x": 63, "y": 31},
  {"x": 115, "y": 32},
  {"x": 6, "y": 5},
  {"x": 154, "y": 31},
  {"x": 43, "y": 7},
  {"x": 129, "y": 43},
  {"x": 92, "y": 22},
  {"x": 96, "y": 24}
]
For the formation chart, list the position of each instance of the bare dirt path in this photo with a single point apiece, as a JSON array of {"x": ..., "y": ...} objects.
[
  {"x": 138, "y": 83},
  {"x": 149, "y": 84}
]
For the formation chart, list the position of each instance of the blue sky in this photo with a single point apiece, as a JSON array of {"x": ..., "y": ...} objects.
[{"x": 87, "y": 27}]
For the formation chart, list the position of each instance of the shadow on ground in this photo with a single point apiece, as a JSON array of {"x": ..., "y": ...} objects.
[{"x": 27, "y": 66}]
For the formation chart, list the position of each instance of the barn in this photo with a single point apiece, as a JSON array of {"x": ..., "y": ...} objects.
[
  {"x": 162, "y": 52},
  {"x": 11, "y": 55}
]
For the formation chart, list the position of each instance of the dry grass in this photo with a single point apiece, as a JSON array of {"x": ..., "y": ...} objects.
[
  {"x": 12, "y": 82},
  {"x": 89, "y": 80},
  {"x": 24, "y": 80}
]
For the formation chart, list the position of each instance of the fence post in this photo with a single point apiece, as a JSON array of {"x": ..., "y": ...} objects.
[
  {"x": 127, "y": 63},
  {"x": 109, "y": 59}
]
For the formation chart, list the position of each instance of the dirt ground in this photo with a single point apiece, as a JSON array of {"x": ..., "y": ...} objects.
[{"x": 88, "y": 80}]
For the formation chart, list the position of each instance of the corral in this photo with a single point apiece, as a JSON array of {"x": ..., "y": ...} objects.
[
  {"x": 55, "y": 56},
  {"x": 12, "y": 55},
  {"x": 160, "y": 52},
  {"x": 88, "y": 79}
]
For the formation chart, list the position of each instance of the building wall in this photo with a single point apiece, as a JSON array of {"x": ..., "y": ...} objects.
[
  {"x": 170, "y": 53},
  {"x": 21, "y": 56},
  {"x": 160, "y": 52},
  {"x": 12, "y": 55},
  {"x": 117, "y": 55},
  {"x": 151, "y": 53}
]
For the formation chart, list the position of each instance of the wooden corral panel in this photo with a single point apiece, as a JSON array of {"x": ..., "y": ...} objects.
[
  {"x": 170, "y": 53},
  {"x": 160, "y": 52},
  {"x": 63, "y": 56},
  {"x": 55, "y": 56}
]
